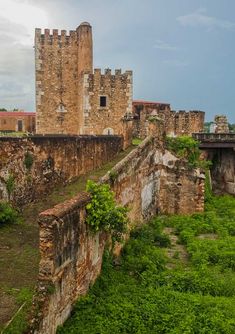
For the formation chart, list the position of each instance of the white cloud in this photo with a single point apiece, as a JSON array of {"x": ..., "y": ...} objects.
[
  {"x": 23, "y": 15},
  {"x": 18, "y": 19},
  {"x": 199, "y": 18},
  {"x": 161, "y": 45}
]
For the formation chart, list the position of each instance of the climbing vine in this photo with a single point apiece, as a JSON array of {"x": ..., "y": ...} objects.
[{"x": 103, "y": 214}]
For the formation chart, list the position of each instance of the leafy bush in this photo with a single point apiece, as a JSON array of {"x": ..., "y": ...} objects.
[
  {"x": 10, "y": 185},
  {"x": 102, "y": 212},
  {"x": 28, "y": 160},
  {"x": 188, "y": 148},
  {"x": 7, "y": 214}
]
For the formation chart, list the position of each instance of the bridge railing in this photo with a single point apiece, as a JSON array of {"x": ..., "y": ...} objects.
[{"x": 220, "y": 137}]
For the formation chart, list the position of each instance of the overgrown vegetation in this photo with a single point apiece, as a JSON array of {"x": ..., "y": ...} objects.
[
  {"x": 28, "y": 160},
  {"x": 102, "y": 212},
  {"x": 8, "y": 215},
  {"x": 150, "y": 292},
  {"x": 19, "y": 321},
  {"x": 10, "y": 185},
  {"x": 188, "y": 148},
  {"x": 136, "y": 141}
]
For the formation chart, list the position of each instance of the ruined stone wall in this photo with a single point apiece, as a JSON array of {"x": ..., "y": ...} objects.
[
  {"x": 54, "y": 160},
  {"x": 176, "y": 123},
  {"x": 142, "y": 112},
  {"x": 222, "y": 170},
  {"x": 116, "y": 89},
  {"x": 185, "y": 123},
  {"x": 221, "y": 124},
  {"x": 149, "y": 180},
  {"x": 71, "y": 259}
]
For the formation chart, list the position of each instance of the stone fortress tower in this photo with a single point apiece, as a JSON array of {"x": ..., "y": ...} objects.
[{"x": 71, "y": 98}]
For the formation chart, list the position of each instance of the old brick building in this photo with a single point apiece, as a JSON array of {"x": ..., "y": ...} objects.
[
  {"x": 71, "y": 98},
  {"x": 19, "y": 121}
]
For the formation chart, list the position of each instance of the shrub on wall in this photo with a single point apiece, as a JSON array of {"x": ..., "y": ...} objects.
[
  {"x": 28, "y": 160},
  {"x": 103, "y": 214},
  {"x": 188, "y": 148},
  {"x": 10, "y": 185}
]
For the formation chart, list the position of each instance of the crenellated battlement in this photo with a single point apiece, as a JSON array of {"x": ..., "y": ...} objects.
[
  {"x": 190, "y": 112},
  {"x": 50, "y": 37},
  {"x": 107, "y": 77},
  {"x": 108, "y": 72}
]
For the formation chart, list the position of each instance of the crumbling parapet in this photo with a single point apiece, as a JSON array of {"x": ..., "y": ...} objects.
[{"x": 221, "y": 124}]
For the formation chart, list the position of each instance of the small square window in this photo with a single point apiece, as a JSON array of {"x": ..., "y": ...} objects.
[{"x": 103, "y": 101}]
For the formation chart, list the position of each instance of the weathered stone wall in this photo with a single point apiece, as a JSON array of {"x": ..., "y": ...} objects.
[
  {"x": 55, "y": 159},
  {"x": 142, "y": 111},
  {"x": 176, "y": 123},
  {"x": 221, "y": 124},
  {"x": 222, "y": 170},
  {"x": 149, "y": 180},
  {"x": 117, "y": 91},
  {"x": 185, "y": 122},
  {"x": 71, "y": 259}
]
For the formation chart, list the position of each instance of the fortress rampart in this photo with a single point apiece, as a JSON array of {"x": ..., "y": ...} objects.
[
  {"x": 149, "y": 180},
  {"x": 38, "y": 163},
  {"x": 176, "y": 123}
]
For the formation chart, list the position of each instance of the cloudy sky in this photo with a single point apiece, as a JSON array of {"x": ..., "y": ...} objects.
[{"x": 181, "y": 51}]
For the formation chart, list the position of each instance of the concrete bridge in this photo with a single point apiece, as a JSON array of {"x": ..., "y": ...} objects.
[
  {"x": 220, "y": 149},
  {"x": 215, "y": 140}
]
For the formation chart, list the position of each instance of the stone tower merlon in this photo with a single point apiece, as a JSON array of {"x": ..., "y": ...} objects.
[
  {"x": 221, "y": 124},
  {"x": 85, "y": 48}
]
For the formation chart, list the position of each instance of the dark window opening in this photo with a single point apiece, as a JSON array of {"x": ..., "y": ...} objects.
[
  {"x": 20, "y": 125},
  {"x": 103, "y": 101}
]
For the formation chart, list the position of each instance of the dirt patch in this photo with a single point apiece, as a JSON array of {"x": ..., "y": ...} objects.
[
  {"x": 208, "y": 236},
  {"x": 176, "y": 252},
  {"x": 8, "y": 307}
]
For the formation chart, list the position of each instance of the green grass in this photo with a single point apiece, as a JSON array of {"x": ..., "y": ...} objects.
[
  {"x": 13, "y": 134},
  {"x": 19, "y": 321},
  {"x": 136, "y": 141},
  {"x": 139, "y": 293}
]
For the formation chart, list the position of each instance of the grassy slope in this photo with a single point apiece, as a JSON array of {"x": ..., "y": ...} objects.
[
  {"x": 150, "y": 291},
  {"x": 19, "y": 255}
]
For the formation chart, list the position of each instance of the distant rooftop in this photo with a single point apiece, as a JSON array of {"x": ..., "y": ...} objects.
[
  {"x": 16, "y": 113},
  {"x": 150, "y": 102}
]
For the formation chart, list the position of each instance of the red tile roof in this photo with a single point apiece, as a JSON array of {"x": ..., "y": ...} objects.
[
  {"x": 149, "y": 102},
  {"x": 16, "y": 113}
]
